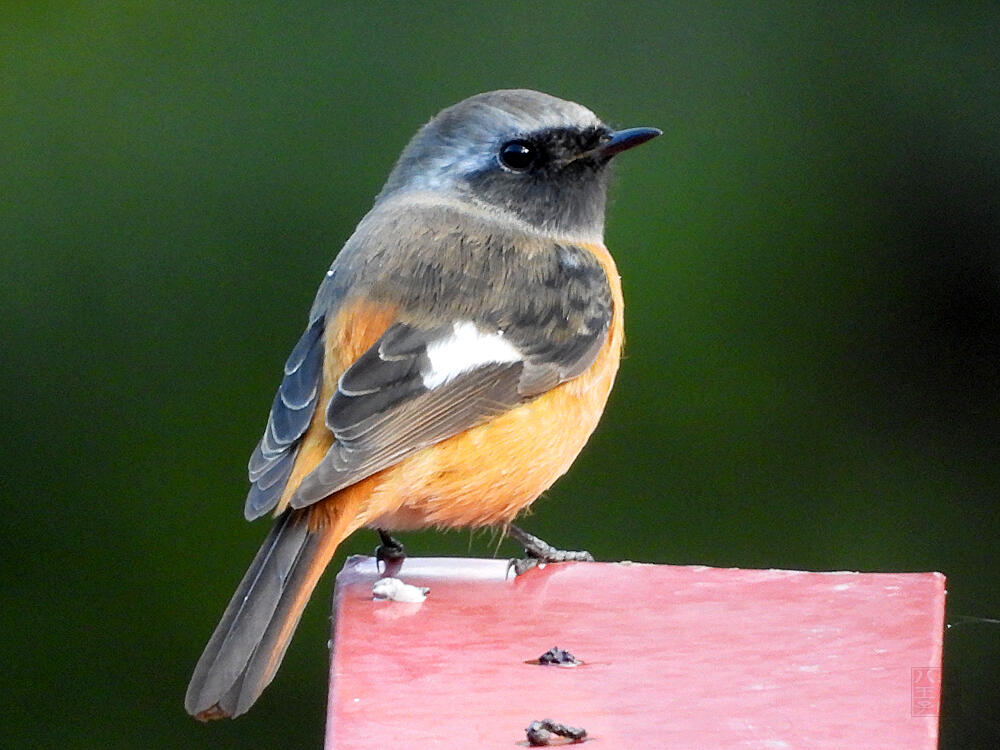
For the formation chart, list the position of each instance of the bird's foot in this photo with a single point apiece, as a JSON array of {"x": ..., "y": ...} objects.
[
  {"x": 389, "y": 554},
  {"x": 540, "y": 551}
]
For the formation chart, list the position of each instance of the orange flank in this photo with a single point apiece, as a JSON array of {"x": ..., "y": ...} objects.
[{"x": 358, "y": 325}]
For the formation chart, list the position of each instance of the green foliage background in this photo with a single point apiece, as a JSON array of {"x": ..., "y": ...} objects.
[{"x": 811, "y": 258}]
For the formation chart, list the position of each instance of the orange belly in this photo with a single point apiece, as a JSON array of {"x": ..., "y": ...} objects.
[{"x": 487, "y": 475}]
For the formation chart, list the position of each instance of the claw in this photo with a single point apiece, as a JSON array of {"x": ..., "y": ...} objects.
[
  {"x": 538, "y": 551},
  {"x": 520, "y": 566}
]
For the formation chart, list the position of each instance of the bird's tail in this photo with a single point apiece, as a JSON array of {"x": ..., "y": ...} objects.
[{"x": 249, "y": 642}]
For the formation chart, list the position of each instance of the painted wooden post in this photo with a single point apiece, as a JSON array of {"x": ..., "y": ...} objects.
[{"x": 672, "y": 657}]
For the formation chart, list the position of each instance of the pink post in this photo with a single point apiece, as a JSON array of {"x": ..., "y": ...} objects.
[{"x": 673, "y": 657}]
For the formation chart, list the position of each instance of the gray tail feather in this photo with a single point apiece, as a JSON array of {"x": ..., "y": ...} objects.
[{"x": 249, "y": 642}]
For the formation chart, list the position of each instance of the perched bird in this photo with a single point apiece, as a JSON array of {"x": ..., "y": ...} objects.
[{"x": 458, "y": 355}]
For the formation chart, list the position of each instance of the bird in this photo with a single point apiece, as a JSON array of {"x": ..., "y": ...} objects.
[{"x": 458, "y": 355}]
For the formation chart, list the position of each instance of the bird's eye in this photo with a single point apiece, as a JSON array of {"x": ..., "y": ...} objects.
[{"x": 517, "y": 156}]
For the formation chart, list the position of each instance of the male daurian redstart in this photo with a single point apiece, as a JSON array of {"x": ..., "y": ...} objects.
[{"x": 458, "y": 355}]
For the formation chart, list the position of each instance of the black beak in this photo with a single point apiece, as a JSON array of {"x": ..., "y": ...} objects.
[{"x": 623, "y": 140}]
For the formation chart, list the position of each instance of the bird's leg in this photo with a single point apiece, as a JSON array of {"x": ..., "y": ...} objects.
[
  {"x": 539, "y": 551},
  {"x": 390, "y": 553}
]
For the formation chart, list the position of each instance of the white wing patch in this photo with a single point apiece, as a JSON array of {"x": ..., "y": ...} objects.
[{"x": 464, "y": 350}]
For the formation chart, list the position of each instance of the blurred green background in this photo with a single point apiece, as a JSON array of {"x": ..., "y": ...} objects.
[{"x": 811, "y": 260}]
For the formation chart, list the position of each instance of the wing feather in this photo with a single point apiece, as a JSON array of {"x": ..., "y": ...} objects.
[{"x": 293, "y": 407}]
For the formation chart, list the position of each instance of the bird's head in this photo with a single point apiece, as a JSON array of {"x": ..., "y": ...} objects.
[{"x": 540, "y": 159}]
